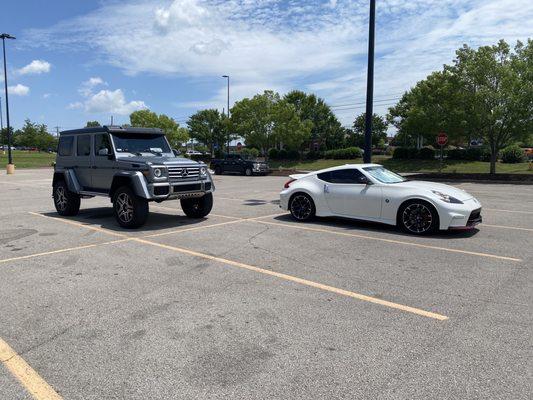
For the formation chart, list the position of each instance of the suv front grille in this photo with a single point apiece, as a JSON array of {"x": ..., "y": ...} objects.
[{"x": 179, "y": 173}]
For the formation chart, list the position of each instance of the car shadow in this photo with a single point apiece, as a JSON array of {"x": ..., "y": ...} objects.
[
  {"x": 104, "y": 218},
  {"x": 356, "y": 226}
]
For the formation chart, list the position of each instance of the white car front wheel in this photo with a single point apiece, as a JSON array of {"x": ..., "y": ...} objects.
[
  {"x": 418, "y": 217},
  {"x": 302, "y": 207}
]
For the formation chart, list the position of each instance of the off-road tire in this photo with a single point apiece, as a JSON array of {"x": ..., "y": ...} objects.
[
  {"x": 197, "y": 207},
  {"x": 66, "y": 202},
  {"x": 130, "y": 211}
]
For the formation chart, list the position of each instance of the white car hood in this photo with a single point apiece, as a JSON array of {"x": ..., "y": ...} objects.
[{"x": 440, "y": 187}]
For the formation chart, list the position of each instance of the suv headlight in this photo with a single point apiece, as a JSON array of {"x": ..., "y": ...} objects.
[
  {"x": 203, "y": 171},
  {"x": 159, "y": 173},
  {"x": 256, "y": 165},
  {"x": 447, "y": 198}
]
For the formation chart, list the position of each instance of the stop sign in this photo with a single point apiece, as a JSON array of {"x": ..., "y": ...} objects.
[{"x": 442, "y": 139}]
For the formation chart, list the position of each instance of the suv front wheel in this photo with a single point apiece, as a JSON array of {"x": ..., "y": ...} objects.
[
  {"x": 197, "y": 207},
  {"x": 130, "y": 211},
  {"x": 66, "y": 202}
]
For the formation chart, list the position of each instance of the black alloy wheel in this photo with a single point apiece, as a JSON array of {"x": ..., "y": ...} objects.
[
  {"x": 302, "y": 207},
  {"x": 419, "y": 218},
  {"x": 66, "y": 202}
]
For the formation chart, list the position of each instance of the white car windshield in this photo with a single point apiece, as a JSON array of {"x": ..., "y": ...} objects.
[{"x": 384, "y": 175}]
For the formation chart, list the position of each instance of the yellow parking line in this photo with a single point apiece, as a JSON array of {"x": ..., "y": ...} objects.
[
  {"x": 301, "y": 281},
  {"x": 76, "y": 223},
  {"x": 508, "y": 227},
  {"x": 26, "y": 375},
  {"x": 425, "y": 246},
  {"x": 194, "y": 228},
  {"x": 273, "y": 273},
  {"x": 45, "y": 253},
  {"x": 508, "y": 211}
]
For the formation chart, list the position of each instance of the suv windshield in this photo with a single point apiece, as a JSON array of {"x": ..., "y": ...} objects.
[
  {"x": 384, "y": 175},
  {"x": 140, "y": 143}
]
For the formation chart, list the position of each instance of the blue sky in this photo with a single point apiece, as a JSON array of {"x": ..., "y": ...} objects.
[{"x": 75, "y": 60}]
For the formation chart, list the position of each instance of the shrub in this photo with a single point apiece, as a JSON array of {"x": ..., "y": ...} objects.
[
  {"x": 404, "y": 153},
  {"x": 513, "y": 154},
  {"x": 457, "y": 154},
  {"x": 293, "y": 155},
  {"x": 426, "y": 153},
  {"x": 282, "y": 154},
  {"x": 485, "y": 154},
  {"x": 252, "y": 152},
  {"x": 273, "y": 154},
  {"x": 313, "y": 155},
  {"x": 347, "y": 153}
]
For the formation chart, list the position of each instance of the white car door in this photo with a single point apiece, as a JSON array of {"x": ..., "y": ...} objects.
[{"x": 345, "y": 194}]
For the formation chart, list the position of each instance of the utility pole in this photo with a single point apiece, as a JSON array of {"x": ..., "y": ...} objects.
[
  {"x": 227, "y": 77},
  {"x": 57, "y": 130},
  {"x": 111, "y": 120},
  {"x": 10, "y": 166},
  {"x": 367, "y": 158},
  {"x": 1, "y": 116}
]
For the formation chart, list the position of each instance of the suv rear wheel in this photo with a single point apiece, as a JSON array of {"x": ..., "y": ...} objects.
[
  {"x": 197, "y": 207},
  {"x": 66, "y": 202},
  {"x": 130, "y": 211}
]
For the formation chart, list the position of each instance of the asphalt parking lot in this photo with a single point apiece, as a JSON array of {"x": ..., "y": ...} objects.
[{"x": 247, "y": 304}]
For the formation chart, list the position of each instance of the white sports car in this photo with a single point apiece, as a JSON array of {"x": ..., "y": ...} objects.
[{"x": 373, "y": 193}]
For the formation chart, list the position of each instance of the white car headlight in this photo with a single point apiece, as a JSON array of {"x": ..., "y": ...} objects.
[{"x": 447, "y": 198}]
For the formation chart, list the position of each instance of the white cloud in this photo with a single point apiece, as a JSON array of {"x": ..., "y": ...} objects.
[
  {"x": 18, "y": 90},
  {"x": 46, "y": 95},
  {"x": 87, "y": 87},
  {"x": 289, "y": 44},
  {"x": 112, "y": 102},
  {"x": 36, "y": 67},
  {"x": 75, "y": 106}
]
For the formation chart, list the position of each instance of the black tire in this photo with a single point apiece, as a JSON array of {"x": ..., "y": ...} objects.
[
  {"x": 197, "y": 207},
  {"x": 302, "y": 207},
  {"x": 418, "y": 217},
  {"x": 130, "y": 211},
  {"x": 248, "y": 171},
  {"x": 218, "y": 171},
  {"x": 66, "y": 202}
]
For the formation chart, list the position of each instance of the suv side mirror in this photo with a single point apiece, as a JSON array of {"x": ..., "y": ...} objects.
[
  {"x": 176, "y": 152},
  {"x": 103, "y": 152}
]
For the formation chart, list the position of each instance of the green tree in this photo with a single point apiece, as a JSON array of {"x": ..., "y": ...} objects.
[
  {"x": 34, "y": 135},
  {"x": 92, "y": 124},
  {"x": 208, "y": 127},
  {"x": 266, "y": 121},
  {"x": 379, "y": 130},
  {"x": 486, "y": 93},
  {"x": 325, "y": 128},
  {"x": 175, "y": 134}
]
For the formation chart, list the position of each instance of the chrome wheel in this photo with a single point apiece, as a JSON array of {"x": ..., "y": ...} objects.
[
  {"x": 61, "y": 198},
  {"x": 124, "y": 207},
  {"x": 301, "y": 207},
  {"x": 417, "y": 218}
]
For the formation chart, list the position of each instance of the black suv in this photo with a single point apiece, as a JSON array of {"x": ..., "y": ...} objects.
[
  {"x": 131, "y": 166},
  {"x": 236, "y": 163}
]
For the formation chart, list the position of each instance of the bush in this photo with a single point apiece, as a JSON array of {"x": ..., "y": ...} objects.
[
  {"x": 404, "y": 153},
  {"x": 513, "y": 154},
  {"x": 252, "y": 152},
  {"x": 457, "y": 154},
  {"x": 293, "y": 155},
  {"x": 273, "y": 154},
  {"x": 347, "y": 153},
  {"x": 282, "y": 154},
  {"x": 313, "y": 155},
  {"x": 485, "y": 154},
  {"x": 426, "y": 153}
]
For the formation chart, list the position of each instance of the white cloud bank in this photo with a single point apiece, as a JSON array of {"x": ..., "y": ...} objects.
[
  {"x": 36, "y": 67},
  {"x": 289, "y": 44},
  {"x": 18, "y": 90}
]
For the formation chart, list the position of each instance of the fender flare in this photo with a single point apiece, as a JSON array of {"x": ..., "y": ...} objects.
[
  {"x": 135, "y": 180},
  {"x": 69, "y": 176}
]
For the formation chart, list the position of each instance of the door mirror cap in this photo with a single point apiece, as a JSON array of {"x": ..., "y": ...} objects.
[
  {"x": 103, "y": 152},
  {"x": 365, "y": 180}
]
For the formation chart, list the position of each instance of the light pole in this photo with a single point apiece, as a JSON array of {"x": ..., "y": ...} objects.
[
  {"x": 367, "y": 157},
  {"x": 227, "y": 77},
  {"x": 10, "y": 166}
]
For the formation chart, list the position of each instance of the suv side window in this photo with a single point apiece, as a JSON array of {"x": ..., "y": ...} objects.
[
  {"x": 84, "y": 145},
  {"x": 65, "y": 145},
  {"x": 101, "y": 142},
  {"x": 346, "y": 176}
]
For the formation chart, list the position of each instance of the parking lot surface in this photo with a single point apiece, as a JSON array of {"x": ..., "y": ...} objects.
[{"x": 247, "y": 304}]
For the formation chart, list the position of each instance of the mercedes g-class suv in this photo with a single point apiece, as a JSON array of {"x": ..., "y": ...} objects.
[{"x": 131, "y": 166}]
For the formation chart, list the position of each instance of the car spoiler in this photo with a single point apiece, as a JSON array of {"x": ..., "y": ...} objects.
[{"x": 297, "y": 176}]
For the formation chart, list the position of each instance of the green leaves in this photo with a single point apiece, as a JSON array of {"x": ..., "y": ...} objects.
[
  {"x": 148, "y": 119},
  {"x": 209, "y": 127}
]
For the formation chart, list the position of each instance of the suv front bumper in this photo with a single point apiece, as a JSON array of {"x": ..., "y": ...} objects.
[{"x": 179, "y": 190}]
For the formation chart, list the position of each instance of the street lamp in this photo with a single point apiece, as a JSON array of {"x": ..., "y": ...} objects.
[
  {"x": 228, "y": 114},
  {"x": 367, "y": 157},
  {"x": 10, "y": 166}
]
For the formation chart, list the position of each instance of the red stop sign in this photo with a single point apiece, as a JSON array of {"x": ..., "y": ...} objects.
[{"x": 442, "y": 139}]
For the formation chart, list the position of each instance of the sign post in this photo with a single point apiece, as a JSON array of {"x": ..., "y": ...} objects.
[{"x": 442, "y": 139}]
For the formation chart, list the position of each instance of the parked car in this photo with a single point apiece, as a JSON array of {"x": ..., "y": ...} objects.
[
  {"x": 131, "y": 166},
  {"x": 236, "y": 163},
  {"x": 371, "y": 192},
  {"x": 194, "y": 153}
]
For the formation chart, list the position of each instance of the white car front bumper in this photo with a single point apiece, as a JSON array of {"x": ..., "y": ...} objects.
[{"x": 460, "y": 216}]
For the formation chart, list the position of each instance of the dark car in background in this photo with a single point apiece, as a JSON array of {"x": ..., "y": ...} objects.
[{"x": 239, "y": 164}]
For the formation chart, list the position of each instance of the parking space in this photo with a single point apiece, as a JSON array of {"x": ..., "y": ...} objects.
[{"x": 248, "y": 304}]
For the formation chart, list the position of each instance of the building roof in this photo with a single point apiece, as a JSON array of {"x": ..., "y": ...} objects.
[{"x": 114, "y": 129}]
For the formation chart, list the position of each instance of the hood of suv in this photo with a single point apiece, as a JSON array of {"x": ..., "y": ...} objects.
[{"x": 158, "y": 160}]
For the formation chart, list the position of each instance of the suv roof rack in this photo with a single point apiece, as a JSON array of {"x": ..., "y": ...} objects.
[{"x": 114, "y": 129}]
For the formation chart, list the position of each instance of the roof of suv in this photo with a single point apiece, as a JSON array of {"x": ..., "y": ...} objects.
[{"x": 114, "y": 129}]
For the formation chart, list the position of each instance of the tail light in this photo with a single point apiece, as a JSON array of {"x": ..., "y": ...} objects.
[{"x": 288, "y": 183}]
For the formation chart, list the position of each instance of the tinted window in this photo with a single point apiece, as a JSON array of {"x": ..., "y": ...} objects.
[
  {"x": 140, "y": 143},
  {"x": 65, "y": 145},
  {"x": 101, "y": 141},
  {"x": 347, "y": 176},
  {"x": 84, "y": 145}
]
